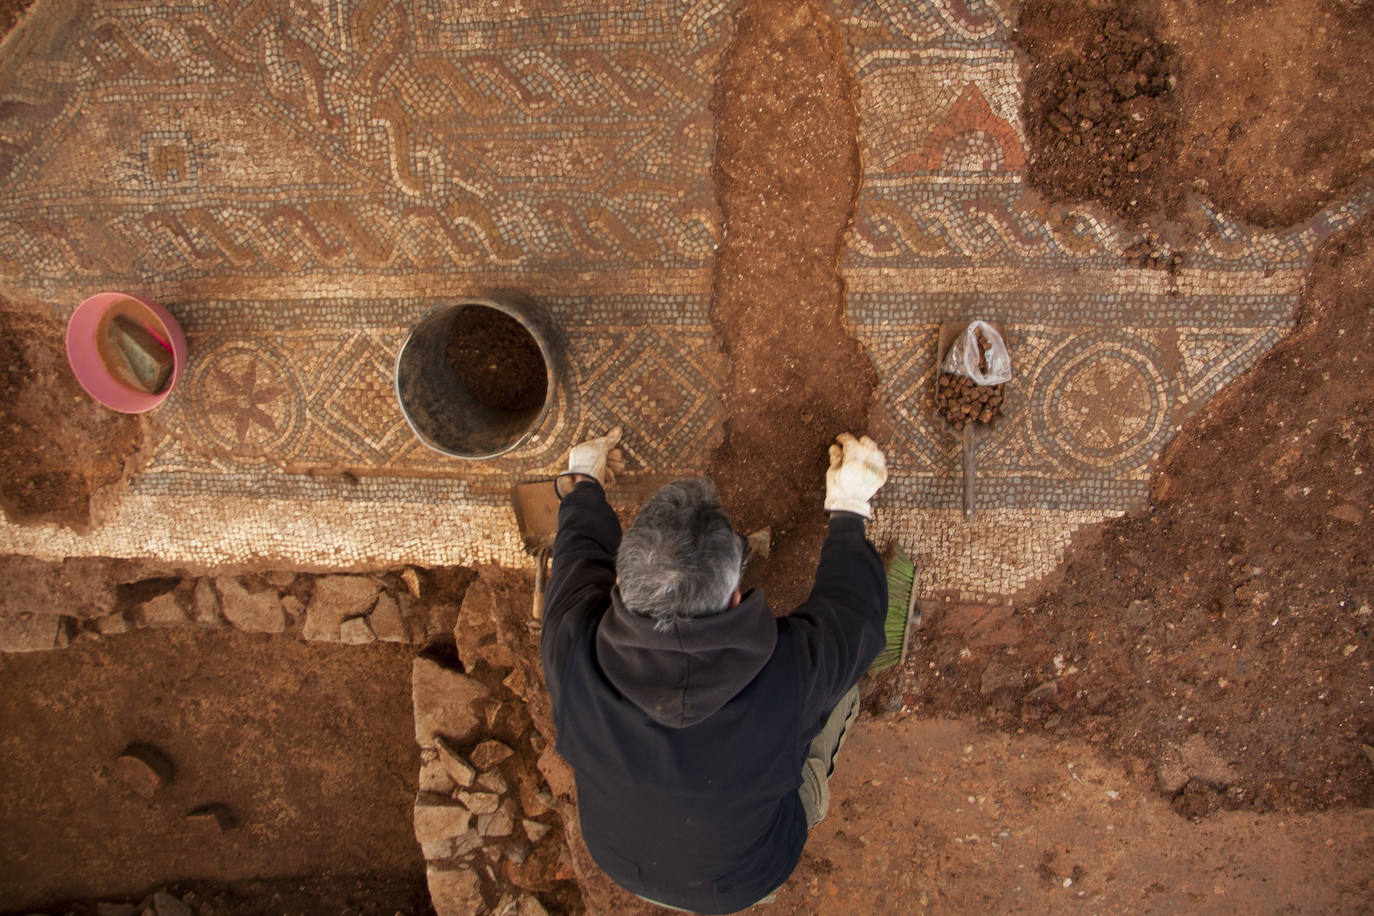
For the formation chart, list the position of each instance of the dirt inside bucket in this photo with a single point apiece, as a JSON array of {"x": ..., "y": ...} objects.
[{"x": 497, "y": 360}]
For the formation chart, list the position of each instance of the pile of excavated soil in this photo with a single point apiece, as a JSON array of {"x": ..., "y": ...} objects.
[
  {"x": 1099, "y": 106},
  {"x": 1223, "y": 635},
  {"x": 1263, "y": 107},
  {"x": 787, "y": 170},
  {"x": 63, "y": 449}
]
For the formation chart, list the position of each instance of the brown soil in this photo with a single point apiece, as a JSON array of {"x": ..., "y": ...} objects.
[
  {"x": 1099, "y": 107},
  {"x": 64, "y": 453},
  {"x": 341, "y": 895},
  {"x": 931, "y": 816},
  {"x": 310, "y": 745},
  {"x": 786, "y": 170},
  {"x": 1262, "y": 107},
  {"x": 1236, "y": 607},
  {"x": 1275, "y": 100},
  {"x": 497, "y": 360}
]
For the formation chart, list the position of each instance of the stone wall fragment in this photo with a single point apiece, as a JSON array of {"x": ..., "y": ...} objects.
[
  {"x": 355, "y": 632},
  {"x": 454, "y": 891},
  {"x": 256, "y": 612},
  {"x": 386, "y": 620},
  {"x": 205, "y": 605},
  {"x": 162, "y": 611},
  {"x": 443, "y": 701},
  {"x": 337, "y": 598},
  {"x": 28, "y": 632}
]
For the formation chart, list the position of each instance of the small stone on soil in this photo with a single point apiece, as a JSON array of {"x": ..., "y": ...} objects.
[
  {"x": 412, "y": 580},
  {"x": 216, "y": 817},
  {"x": 454, "y": 892},
  {"x": 111, "y": 624},
  {"x": 434, "y": 778},
  {"x": 498, "y": 824},
  {"x": 164, "y": 904},
  {"x": 535, "y": 830},
  {"x": 144, "y": 769}
]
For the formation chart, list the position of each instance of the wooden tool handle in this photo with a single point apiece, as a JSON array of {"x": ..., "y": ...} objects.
[
  {"x": 969, "y": 448},
  {"x": 541, "y": 574}
]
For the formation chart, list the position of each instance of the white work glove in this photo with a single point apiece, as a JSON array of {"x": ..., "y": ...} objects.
[
  {"x": 596, "y": 458},
  {"x": 857, "y": 470}
]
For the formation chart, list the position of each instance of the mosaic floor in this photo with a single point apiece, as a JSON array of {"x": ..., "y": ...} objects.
[{"x": 300, "y": 182}]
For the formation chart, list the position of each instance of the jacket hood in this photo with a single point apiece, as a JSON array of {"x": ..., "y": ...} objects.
[{"x": 684, "y": 674}]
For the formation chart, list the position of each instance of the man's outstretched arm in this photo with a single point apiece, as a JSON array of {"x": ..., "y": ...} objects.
[
  {"x": 583, "y": 569},
  {"x": 841, "y": 621}
]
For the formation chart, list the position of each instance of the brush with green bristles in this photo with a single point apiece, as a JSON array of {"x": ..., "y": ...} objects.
[{"x": 901, "y": 609}]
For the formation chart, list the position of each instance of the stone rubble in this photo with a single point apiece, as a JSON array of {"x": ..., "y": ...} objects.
[
  {"x": 111, "y": 624},
  {"x": 205, "y": 605},
  {"x": 454, "y": 891},
  {"x": 162, "y": 611},
  {"x": 386, "y": 620},
  {"x": 443, "y": 701},
  {"x": 355, "y": 632},
  {"x": 348, "y": 609},
  {"x": 255, "y": 612},
  {"x": 488, "y": 754},
  {"x": 336, "y": 599},
  {"x": 459, "y": 770},
  {"x": 478, "y": 743},
  {"x": 478, "y": 802}
]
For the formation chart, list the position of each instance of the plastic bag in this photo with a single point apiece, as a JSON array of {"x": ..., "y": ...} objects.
[{"x": 963, "y": 357}]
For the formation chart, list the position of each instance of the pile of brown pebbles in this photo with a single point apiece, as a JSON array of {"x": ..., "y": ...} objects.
[{"x": 961, "y": 400}]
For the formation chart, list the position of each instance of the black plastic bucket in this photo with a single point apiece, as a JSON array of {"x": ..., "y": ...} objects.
[{"x": 439, "y": 406}]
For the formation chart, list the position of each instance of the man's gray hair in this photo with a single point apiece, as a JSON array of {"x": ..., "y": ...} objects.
[{"x": 680, "y": 558}]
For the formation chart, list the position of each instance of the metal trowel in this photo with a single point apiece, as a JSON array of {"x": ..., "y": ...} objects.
[{"x": 536, "y": 515}]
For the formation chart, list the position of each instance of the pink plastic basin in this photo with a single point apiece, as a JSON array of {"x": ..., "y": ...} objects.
[{"x": 83, "y": 352}]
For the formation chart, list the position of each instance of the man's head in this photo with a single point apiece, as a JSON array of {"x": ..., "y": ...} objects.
[{"x": 680, "y": 558}]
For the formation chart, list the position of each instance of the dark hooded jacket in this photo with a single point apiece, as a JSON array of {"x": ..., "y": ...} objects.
[{"x": 687, "y": 745}]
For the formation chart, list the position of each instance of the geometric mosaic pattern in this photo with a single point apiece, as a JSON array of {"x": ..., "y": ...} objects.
[
  {"x": 300, "y": 182},
  {"x": 1110, "y": 357}
]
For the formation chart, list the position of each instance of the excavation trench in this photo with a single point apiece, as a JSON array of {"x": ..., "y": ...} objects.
[{"x": 786, "y": 171}]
